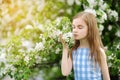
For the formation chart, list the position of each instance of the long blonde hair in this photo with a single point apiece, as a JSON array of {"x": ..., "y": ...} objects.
[{"x": 93, "y": 36}]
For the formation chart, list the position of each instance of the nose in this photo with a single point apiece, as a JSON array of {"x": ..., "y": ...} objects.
[{"x": 74, "y": 30}]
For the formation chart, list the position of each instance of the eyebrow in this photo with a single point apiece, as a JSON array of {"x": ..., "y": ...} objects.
[{"x": 77, "y": 25}]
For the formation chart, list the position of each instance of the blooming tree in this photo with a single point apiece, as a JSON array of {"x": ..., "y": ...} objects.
[{"x": 29, "y": 35}]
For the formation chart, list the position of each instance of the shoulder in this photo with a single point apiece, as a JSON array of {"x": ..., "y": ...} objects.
[{"x": 103, "y": 55}]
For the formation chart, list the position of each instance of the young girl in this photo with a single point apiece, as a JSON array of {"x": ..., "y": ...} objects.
[{"x": 87, "y": 56}]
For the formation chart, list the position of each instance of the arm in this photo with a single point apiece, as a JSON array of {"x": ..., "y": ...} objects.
[
  {"x": 66, "y": 64},
  {"x": 104, "y": 66}
]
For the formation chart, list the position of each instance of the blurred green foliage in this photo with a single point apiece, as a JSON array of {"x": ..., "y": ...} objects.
[{"x": 25, "y": 25}]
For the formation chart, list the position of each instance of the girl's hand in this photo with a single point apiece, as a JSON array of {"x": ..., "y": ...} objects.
[{"x": 65, "y": 45}]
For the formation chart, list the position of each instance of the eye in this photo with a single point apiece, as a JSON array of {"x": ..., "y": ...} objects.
[{"x": 80, "y": 26}]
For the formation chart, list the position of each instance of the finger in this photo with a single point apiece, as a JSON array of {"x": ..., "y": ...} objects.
[{"x": 62, "y": 40}]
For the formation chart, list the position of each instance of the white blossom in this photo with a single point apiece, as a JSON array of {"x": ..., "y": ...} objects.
[
  {"x": 78, "y": 2},
  {"x": 58, "y": 20},
  {"x": 21, "y": 50},
  {"x": 38, "y": 59},
  {"x": 27, "y": 44},
  {"x": 28, "y": 27},
  {"x": 40, "y": 4},
  {"x": 55, "y": 33},
  {"x": 7, "y": 18},
  {"x": 27, "y": 59},
  {"x": 100, "y": 3},
  {"x": 42, "y": 38},
  {"x": 109, "y": 64},
  {"x": 61, "y": 11},
  {"x": 65, "y": 27},
  {"x": 44, "y": 59},
  {"x": 106, "y": 47},
  {"x": 90, "y": 11},
  {"x": 118, "y": 46},
  {"x": 101, "y": 27},
  {"x": 66, "y": 36},
  {"x": 39, "y": 46},
  {"x": 70, "y": 2},
  {"x": 6, "y": 69},
  {"x": 2, "y": 57},
  {"x": 112, "y": 14},
  {"x": 40, "y": 26},
  {"x": 103, "y": 16},
  {"x": 110, "y": 57},
  {"x": 30, "y": 50},
  {"x": 110, "y": 27},
  {"x": 85, "y": 6},
  {"x": 92, "y": 3},
  {"x": 104, "y": 6},
  {"x": 7, "y": 77},
  {"x": 17, "y": 58},
  {"x": 69, "y": 10},
  {"x": 118, "y": 33},
  {"x": 12, "y": 68},
  {"x": 57, "y": 51}
]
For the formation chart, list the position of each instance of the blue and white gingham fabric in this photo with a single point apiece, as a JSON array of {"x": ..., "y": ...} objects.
[{"x": 84, "y": 67}]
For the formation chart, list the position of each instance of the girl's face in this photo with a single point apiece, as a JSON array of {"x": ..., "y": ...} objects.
[{"x": 79, "y": 28}]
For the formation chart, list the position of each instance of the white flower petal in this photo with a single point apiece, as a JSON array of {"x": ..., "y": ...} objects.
[{"x": 90, "y": 11}]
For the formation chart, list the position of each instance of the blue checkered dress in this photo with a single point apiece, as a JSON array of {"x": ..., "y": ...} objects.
[{"x": 84, "y": 67}]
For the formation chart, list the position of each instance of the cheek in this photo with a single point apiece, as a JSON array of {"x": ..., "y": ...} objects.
[
  {"x": 83, "y": 33},
  {"x": 86, "y": 32}
]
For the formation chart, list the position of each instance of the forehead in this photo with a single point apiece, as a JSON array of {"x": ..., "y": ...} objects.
[{"x": 78, "y": 21}]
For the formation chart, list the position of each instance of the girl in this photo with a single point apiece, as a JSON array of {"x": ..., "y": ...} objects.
[{"x": 87, "y": 56}]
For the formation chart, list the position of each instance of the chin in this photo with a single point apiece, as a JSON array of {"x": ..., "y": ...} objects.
[{"x": 76, "y": 39}]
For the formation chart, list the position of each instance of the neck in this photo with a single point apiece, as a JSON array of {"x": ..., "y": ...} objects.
[{"x": 84, "y": 43}]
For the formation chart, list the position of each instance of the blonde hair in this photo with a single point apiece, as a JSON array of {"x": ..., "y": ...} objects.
[{"x": 93, "y": 36}]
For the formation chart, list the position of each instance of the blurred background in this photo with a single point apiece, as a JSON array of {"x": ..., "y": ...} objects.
[{"x": 29, "y": 29}]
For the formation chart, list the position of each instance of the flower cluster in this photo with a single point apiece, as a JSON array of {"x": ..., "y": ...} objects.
[
  {"x": 112, "y": 14},
  {"x": 39, "y": 46},
  {"x": 35, "y": 43}
]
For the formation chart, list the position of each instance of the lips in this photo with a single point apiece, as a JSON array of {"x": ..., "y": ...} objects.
[{"x": 75, "y": 35}]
